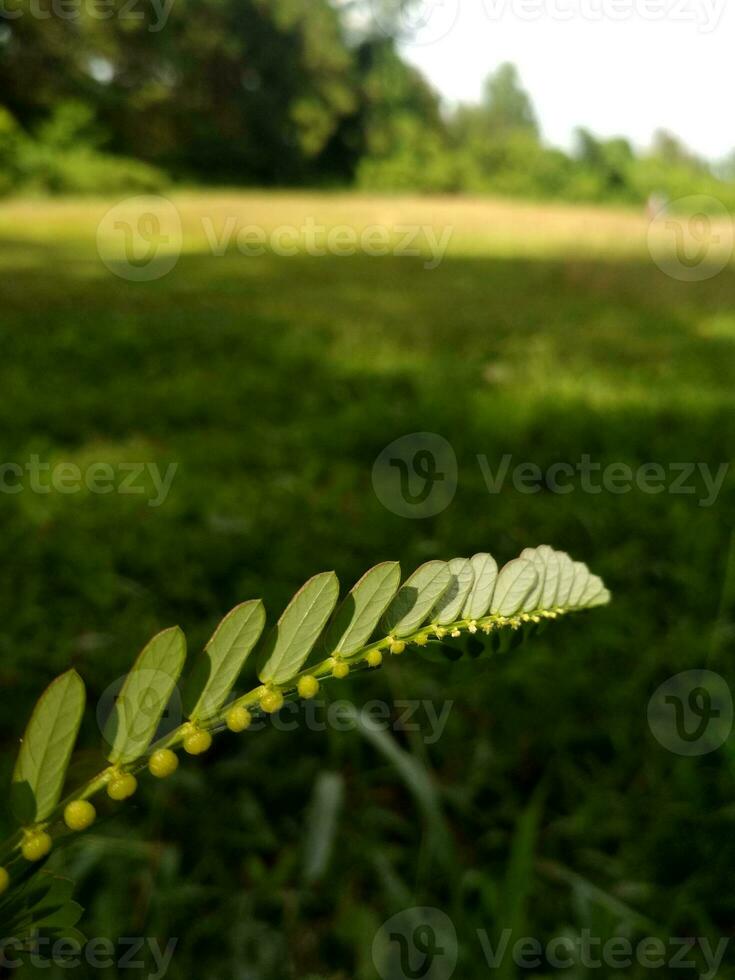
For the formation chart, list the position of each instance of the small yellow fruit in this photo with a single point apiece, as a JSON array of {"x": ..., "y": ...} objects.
[
  {"x": 122, "y": 786},
  {"x": 397, "y": 647},
  {"x": 238, "y": 719},
  {"x": 422, "y": 639},
  {"x": 79, "y": 814},
  {"x": 163, "y": 763},
  {"x": 271, "y": 700},
  {"x": 197, "y": 743},
  {"x": 36, "y": 846},
  {"x": 308, "y": 686},
  {"x": 4, "y": 880},
  {"x": 340, "y": 670},
  {"x": 374, "y": 658}
]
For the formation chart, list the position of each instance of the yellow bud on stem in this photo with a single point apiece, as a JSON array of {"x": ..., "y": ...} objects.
[
  {"x": 36, "y": 845},
  {"x": 79, "y": 814},
  {"x": 122, "y": 786},
  {"x": 238, "y": 719},
  {"x": 163, "y": 763},
  {"x": 308, "y": 686},
  {"x": 271, "y": 700},
  {"x": 197, "y": 743}
]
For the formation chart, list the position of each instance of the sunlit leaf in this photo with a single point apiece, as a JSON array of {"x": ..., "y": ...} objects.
[
  {"x": 298, "y": 628},
  {"x": 416, "y": 598},
  {"x": 46, "y": 748},
  {"x": 533, "y": 599},
  {"x": 485, "y": 570},
  {"x": 565, "y": 580},
  {"x": 551, "y": 581},
  {"x": 515, "y": 581},
  {"x": 360, "y": 613},
  {"x": 581, "y": 578},
  {"x": 144, "y": 696},
  {"x": 449, "y": 608},
  {"x": 223, "y": 658},
  {"x": 595, "y": 586}
]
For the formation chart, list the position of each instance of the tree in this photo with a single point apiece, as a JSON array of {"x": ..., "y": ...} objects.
[{"x": 506, "y": 106}]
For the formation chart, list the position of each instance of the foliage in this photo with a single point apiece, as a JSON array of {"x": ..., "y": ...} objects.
[
  {"x": 62, "y": 156},
  {"x": 439, "y": 604},
  {"x": 286, "y": 92}
]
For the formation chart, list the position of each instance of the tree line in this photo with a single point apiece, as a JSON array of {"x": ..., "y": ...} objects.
[{"x": 100, "y": 95}]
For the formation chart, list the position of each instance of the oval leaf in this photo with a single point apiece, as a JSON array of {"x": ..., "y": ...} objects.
[
  {"x": 223, "y": 658},
  {"x": 416, "y": 598},
  {"x": 46, "y": 748},
  {"x": 592, "y": 590},
  {"x": 515, "y": 581},
  {"x": 601, "y": 599},
  {"x": 566, "y": 579},
  {"x": 485, "y": 571},
  {"x": 581, "y": 578},
  {"x": 551, "y": 580},
  {"x": 144, "y": 696},
  {"x": 360, "y": 613},
  {"x": 532, "y": 601},
  {"x": 450, "y": 606},
  {"x": 298, "y": 628}
]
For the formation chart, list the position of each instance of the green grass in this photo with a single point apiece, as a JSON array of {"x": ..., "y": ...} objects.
[{"x": 274, "y": 383}]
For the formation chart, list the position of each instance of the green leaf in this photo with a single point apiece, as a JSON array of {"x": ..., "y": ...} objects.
[
  {"x": 595, "y": 586},
  {"x": 46, "y": 748},
  {"x": 551, "y": 581},
  {"x": 485, "y": 571},
  {"x": 515, "y": 581},
  {"x": 144, "y": 696},
  {"x": 566, "y": 579},
  {"x": 449, "y": 608},
  {"x": 416, "y": 598},
  {"x": 298, "y": 628},
  {"x": 601, "y": 599},
  {"x": 362, "y": 608},
  {"x": 533, "y": 599},
  {"x": 581, "y": 578},
  {"x": 223, "y": 658}
]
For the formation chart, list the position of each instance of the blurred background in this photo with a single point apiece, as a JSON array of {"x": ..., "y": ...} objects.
[{"x": 245, "y": 246}]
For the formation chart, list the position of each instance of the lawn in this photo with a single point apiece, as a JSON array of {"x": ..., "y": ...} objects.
[{"x": 271, "y": 384}]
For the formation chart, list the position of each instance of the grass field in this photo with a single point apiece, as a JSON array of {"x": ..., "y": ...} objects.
[{"x": 272, "y": 383}]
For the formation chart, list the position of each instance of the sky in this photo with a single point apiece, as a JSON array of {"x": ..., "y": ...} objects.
[{"x": 617, "y": 67}]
